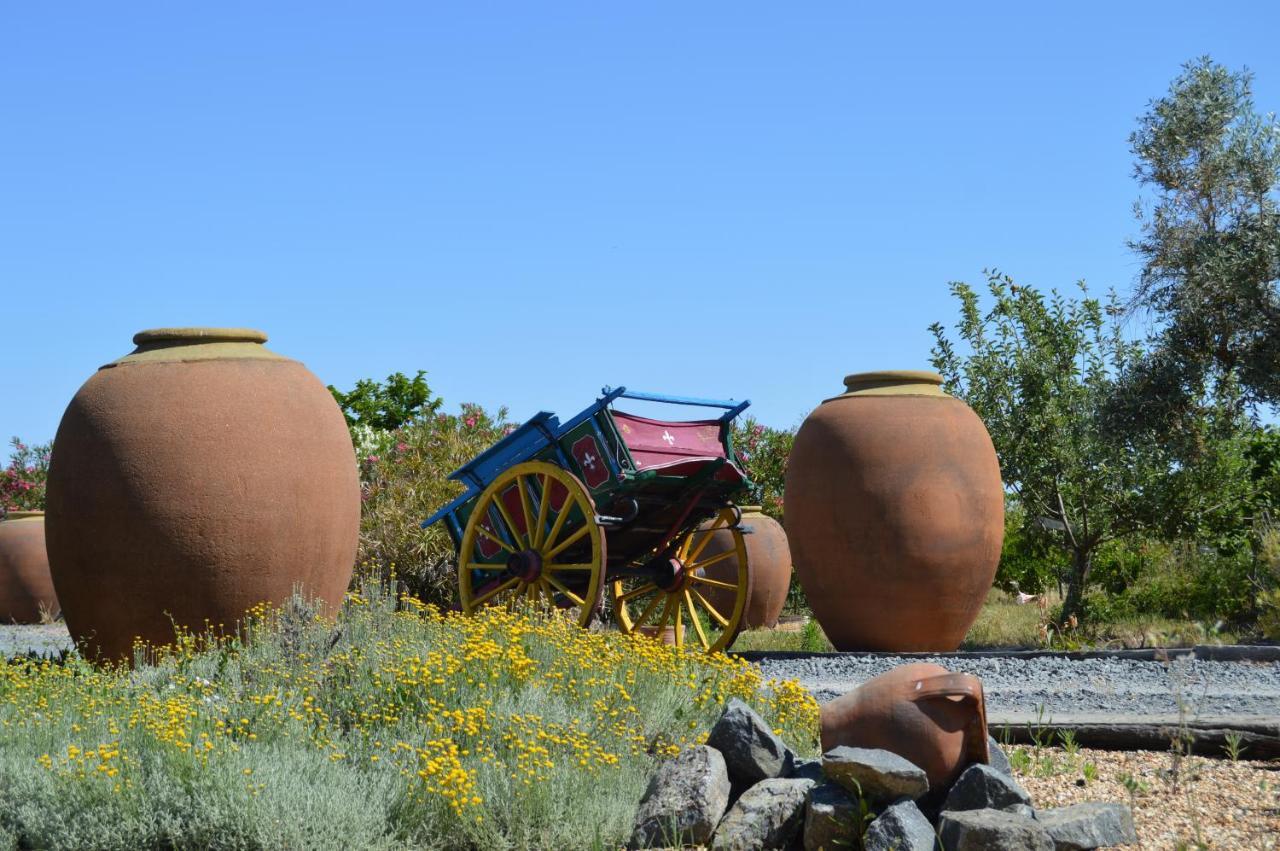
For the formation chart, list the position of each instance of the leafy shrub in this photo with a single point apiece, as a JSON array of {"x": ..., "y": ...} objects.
[
  {"x": 398, "y": 727},
  {"x": 764, "y": 452},
  {"x": 22, "y": 482},
  {"x": 404, "y": 479}
]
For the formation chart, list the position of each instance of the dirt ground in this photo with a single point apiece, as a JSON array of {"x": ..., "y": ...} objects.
[{"x": 1191, "y": 803}]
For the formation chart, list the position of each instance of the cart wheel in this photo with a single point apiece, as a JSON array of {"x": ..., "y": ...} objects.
[
  {"x": 680, "y": 602},
  {"x": 533, "y": 536}
]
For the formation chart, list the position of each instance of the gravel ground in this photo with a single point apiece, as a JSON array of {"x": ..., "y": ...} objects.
[
  {"x": 41, "y": 640},
  {"x": 1100, "y": 688},
  {"x": 1214, "y": 803}
]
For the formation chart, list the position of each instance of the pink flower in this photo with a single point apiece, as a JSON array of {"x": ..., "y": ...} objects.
[
  {"x": 372, "y": 459},
  {"x": 471, "y": 421},
  {"x": 402, "y": 446}
]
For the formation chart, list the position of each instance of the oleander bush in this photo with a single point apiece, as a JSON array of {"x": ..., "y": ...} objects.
[
  {"x": 397, "y": 726},
  {"x": 22, "y": 480}
]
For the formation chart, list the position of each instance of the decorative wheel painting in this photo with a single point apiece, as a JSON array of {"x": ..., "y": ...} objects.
[
  {"x": 533, "y": 536},
  {"x": 676, "y": 601}
]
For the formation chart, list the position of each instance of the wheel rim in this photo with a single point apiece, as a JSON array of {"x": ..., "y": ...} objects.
[
  {"x": 680, "y": 603},
  {"x": 532, "y": 536}
]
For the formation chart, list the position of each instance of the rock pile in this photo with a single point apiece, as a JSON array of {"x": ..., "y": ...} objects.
[{"x": 744, "y": 789}]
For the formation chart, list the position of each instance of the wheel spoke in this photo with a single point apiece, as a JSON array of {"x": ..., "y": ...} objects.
[
  {"x": 715, "y": 583},
  {"x": 558, "y": 566},
  {"x": 711, "y": 610},
  {"x": 648, "y": 611},
  {"x": 697, "y": 621},
  {"x": 492, "y": 537},
  {"x": 525, "y": 508},
  {"x": 564, "y": 589},
  {"x": 561, "y": 516},
  {"x": 544, "y": 501},
  {"x": 719, "y": 557},
  {"x": 679, "y": 623},
  {"x": 567, "y": 542},
  {"x": 665, "y": 617},
  {"x": 477, "y": 565},
  {"x": 636, "y": 592},
  {"x": 702, "y": 545},
  {"x": 488, "y": 595},
  {"x": 515, "y": 530}
]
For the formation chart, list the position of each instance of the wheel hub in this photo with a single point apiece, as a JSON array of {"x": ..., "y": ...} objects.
[
  {"x": 670, "y": 574},
  {"x": 526, "y": 564}
]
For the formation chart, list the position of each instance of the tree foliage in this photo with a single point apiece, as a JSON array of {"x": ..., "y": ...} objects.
[
  {"x": 1210, "y": 242},
  {"x": 1042, "y": 372},
  {"x": 386, "y": 406}
]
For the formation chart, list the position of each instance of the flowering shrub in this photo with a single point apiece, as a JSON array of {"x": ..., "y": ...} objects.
[
  {"x": 764, "y": 453},
  {"x": 404, "y": 479},
  {"x": 400, "y": 726},
  {"x": 22, "y": 482}
]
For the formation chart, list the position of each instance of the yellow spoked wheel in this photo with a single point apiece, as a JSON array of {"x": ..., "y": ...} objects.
[
  {"x": 533, "y": 536},
  {"x": 677, "y": 605}
]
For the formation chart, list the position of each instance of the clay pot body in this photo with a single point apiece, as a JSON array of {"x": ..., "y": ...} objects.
[
  {"x": 25, "y": 584},
  {"x": 895, "y": 514},
  {"x": 191, "y": 480},
  {"x": 922, "y": 712},
  {"x": 769, "y": 561}
]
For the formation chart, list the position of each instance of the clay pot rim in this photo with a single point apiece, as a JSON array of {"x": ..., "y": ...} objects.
[
  {"x": 893, "y": 382},
  {"x": 198, "y": 335},
  {"x": 23, "y": 514}
]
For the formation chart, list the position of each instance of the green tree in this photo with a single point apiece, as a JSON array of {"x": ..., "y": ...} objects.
[
  {"x": 1210, "y": 243},
  {"x": 386, "y": 406},
  {"x": 1042, "y": 373}
]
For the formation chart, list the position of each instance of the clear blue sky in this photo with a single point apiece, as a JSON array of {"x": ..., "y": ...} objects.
[{"x": 529, "y": 200}]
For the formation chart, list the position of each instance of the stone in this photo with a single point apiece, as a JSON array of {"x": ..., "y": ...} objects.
[
  {"x": 684, "y": 802},
  {"x": 808, "y": 769},
  {"x": 1093, "y": 825},
  {"x": 831, "y": 819},
  {"x": 901, "y": 827},
  {"x": 999, "y": 759},
  {"x": 982, "y": 787},
  {"x": 992, "y": 830},
  {"x": 768, "y": 815},
  {"x": 752, "y": 752},
  {"x": 877, "y": 775}
]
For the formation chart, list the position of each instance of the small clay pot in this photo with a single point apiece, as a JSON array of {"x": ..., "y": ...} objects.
[
  {"x": 665, "y": 634},
  {"x": 768, "y": 560},
  {"x": 922, "y": 712},
  {"x": 191, "y": 480},
  {"x": 895, "y": 514},
  {"x": 26, "y": 588}
]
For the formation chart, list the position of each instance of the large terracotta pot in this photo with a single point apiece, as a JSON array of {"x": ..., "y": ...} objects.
[
  {"x": 895, "y": 514},
  {"x": 26, "y": 588},
  {"x": 922, "y": 712},
  {"x": 192, "y": 479},
  {"x": 769, "y": 561}
]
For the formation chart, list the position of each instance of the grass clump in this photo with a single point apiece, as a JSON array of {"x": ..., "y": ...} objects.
[{"x": 400, "y": 726}]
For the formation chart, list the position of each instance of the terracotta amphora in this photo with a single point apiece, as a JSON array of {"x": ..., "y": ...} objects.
[
  {"x": 768, "y": 560},
  {"x": 922, "y": 712},
  {"x": 26, "y": 588},
  {"x": 895, "y": 514},
  {"x": 196, "y": 477}
]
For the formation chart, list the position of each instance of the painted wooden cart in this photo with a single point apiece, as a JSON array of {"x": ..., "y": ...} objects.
[{"x": 558, "y": 513}]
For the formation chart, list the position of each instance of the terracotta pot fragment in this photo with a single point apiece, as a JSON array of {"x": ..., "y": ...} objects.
[
  {"x": 26, "y": 587},
  {"x": 922, "y": 712},
  {"x": 191, "y": 480}
]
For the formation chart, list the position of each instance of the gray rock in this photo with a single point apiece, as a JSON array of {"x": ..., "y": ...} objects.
[
  {"x": 830, "y": 819},
  {"x": 1021, "y": 810},
  {"x": 1095, "y": 825},
  {"x": 684, "y": 802},
  {"x": 981, "y": 787},
  {"x": 768, "y": 815},
  {"x": 999, "y": 759},
  {"x": 901, "y": 827},
  {"x": 877, "y": 775},
  {"x": 992, "y": 830},
  {"x": 808, "y": 769},
  {"x": 751, "y": 750}
]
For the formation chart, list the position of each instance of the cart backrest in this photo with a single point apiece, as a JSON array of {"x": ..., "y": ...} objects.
[{"x": 655, "y": 444}]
